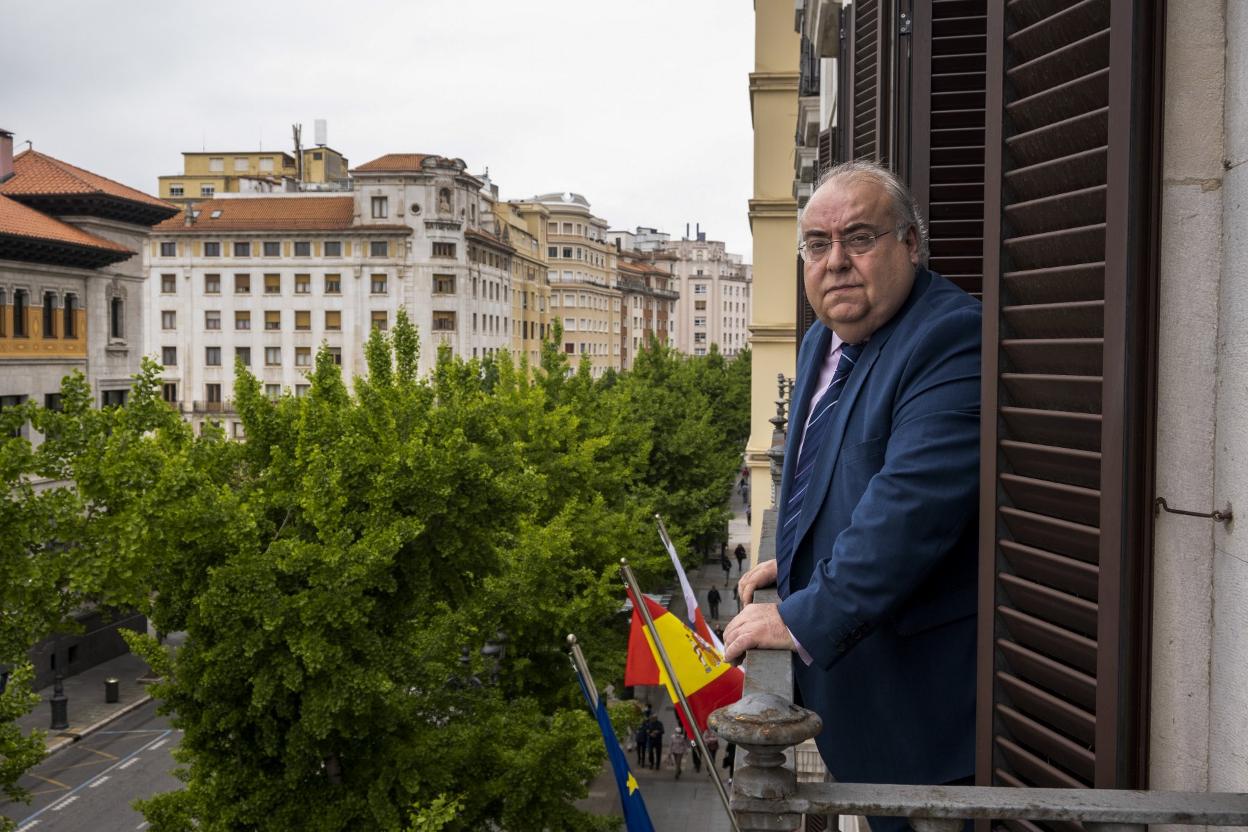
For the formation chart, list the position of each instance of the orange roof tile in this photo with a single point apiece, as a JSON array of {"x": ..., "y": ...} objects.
[
  {"x": 19, "y": 221},
  {"x": 299, "y": 213},
  {"x": 393, "y": 162},
  {"x": 38, "y": 174}
]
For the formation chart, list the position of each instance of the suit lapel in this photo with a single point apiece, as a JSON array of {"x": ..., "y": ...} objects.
[{"x": 807, "y": 378}]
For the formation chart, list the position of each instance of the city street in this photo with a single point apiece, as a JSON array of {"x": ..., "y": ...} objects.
[{"x": 90, "y": 785}]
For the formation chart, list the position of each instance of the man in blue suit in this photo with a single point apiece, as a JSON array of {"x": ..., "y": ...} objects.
[{"x": 877, "y": 531}]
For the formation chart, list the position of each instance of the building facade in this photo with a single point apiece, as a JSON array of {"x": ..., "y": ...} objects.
[
  {"x": 582, "y": 273},
  {"x": 715, "y": 297},
  {"x": 71, "y": 278},
  {"x": 525, "y": 231},
  {"x": 648, "y": 301},
  {"x": 206, "y": 174}
]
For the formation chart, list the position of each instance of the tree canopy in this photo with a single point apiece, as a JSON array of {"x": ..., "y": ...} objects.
[{"x": 376, "y": 584}]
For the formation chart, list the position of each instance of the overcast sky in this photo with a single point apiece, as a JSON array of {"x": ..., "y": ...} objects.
[{"x": 642, "y": 106}]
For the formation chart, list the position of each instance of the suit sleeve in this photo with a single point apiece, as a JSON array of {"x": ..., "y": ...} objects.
[{"x": 914, "y": 508}]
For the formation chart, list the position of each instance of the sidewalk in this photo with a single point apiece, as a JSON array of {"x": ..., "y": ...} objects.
[
  {"x": 88, "y": 712},
  {"x": 690, "y": 804}
]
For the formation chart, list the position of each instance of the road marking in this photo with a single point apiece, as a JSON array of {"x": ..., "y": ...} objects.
[
  {"x": 129, "y": 762},
  {"x": 159, "y": 744},
  {"x": 99, "y": 781},
  {"x": 58, "y": 807},
  {"x": 103, "y": 754},
  {"x": 26, "y": 826},
  {"x": 29, "y": 821},
  {"x": 142, "y": 825},
  {"x": 53, "y": 782}
]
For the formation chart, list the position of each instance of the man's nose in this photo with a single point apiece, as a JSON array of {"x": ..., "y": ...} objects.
[{"x": 837, "y": 259}]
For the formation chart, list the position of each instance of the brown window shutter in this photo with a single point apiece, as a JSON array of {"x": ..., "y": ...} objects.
[
  {"x": 1069, "y": 340},
  {"x": 867, "y": 93},
  {"x": 805, "y": 314},
  {"x": 947, "y": 85}
]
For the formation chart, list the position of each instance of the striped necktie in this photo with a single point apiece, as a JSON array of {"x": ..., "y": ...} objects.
[{"x": 816, "y": 430}]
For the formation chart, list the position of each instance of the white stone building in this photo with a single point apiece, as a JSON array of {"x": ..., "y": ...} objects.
[{"x": 714, "y": 287}]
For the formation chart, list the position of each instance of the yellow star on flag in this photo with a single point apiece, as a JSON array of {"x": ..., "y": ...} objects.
[{"x": 632, "y": 784}]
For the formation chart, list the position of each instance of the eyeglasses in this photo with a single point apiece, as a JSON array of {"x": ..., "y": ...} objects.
[{"x": 855, "y": 245}]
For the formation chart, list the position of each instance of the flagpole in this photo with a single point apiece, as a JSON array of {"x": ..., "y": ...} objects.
[
  {"x": 630, "y": 580},
  {"x": 578, "y": 662}
]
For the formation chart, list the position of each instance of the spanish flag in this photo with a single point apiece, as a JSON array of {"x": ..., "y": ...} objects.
[{"x": 707, "y": 681}]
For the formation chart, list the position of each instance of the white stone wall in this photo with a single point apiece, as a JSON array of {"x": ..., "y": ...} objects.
[{"x": 1199, "y": 694}]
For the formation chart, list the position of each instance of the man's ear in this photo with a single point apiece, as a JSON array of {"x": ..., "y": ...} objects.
[{"x": 912, "y": 243}]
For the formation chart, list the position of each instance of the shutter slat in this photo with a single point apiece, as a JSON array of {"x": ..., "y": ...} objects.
[
  {"x": 1055, "y": 499},
  {"x": 1073, "y": 757},
  {"x": 1056, "y": 355},
  {"x": 1076, "y": 172},
  {"x": 959, "y": 82},
  {"x": 1076, "y": 282},
  {"x": 1036, "y": 771},
  {"x": 1041, "y": 390},
  {"x": 1064, "y": 646},
  {"x": 1048, "y": 213},
  {"x": 1059, "y": 464},
  {"x": 1053, "y": 30},
  {"x": 1079, "y": 688},
  {"x": 1067, "y": 319},
  {"x": 1064, "y": 537},
  {"x": 1069, "y": 429},
  {"x": 1082, "y": 95},
  {"x": 1065, "y": 247},
  {"x": 1065, "y": 63},
  {"x": 1073, "y": 576},
  {"x": 1052, "y": 710},
  {"x": 1064, "y": 610},
  {"x": 1085, "y": 131}
]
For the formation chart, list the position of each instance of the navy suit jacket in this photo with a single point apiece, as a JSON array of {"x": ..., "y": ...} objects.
[{"x": 881, "y": 587}]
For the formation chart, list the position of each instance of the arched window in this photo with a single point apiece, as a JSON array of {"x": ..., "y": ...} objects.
[
  {"x": 69, "y": 326},
  {"x": 49, "y": 314},
  {"x": 116, "y": 318}
]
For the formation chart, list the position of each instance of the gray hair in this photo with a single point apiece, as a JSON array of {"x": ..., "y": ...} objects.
[{"x": 905, "y": 211}]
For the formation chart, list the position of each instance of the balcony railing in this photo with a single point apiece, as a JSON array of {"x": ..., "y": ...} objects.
[{"x": 767, "y": 795}]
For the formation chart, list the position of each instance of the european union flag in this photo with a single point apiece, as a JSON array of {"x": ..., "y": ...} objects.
[{"x": 636, "y": 819}]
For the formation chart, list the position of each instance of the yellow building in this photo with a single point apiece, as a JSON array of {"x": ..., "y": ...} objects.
[
  {"x": 773, "y": 222},
  {"x": 582, "y": 271},
  {"x": 525, "y": 230},
  {"x": 206, "y": 174}
]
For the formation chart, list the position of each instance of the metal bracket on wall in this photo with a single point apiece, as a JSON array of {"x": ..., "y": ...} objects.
[
  {"x": 905, "y": 24},
  {"x": 1217, "y": 516}
]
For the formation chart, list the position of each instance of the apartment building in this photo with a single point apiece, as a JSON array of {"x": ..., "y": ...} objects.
[
  {"x": 582, "y": 274},
  {"x": 647, "y": 299},
  {"x": 71, "y": 278},
  {"x": 525, "y": 231},
  {"x": 206, "y": 174}
]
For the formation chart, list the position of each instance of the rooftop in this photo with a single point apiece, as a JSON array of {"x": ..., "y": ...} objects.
[
  {"x": 32, "y": 236},
  {"x": 333, "y": 213},
  {"x": 50, "y": 185}
]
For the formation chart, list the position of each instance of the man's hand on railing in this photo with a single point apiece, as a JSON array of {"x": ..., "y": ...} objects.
[
  {"x": 756, "y": 626},
  {"x": 764, "y": 574}
]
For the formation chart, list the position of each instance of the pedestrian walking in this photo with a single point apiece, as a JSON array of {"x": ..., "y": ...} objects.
[
  {"x": 680, "y": 744},
  {"x": 642, "y": 738},
  {"x": 748, "y": 521},
  {"x": 740, "y": 554},
  {"x": 736, "y": 596},
  {"x": 712, "y": 744},
  {"x": 712, "y": 601},
  {"x": 725, "y": 565},
  {"x": 654, "y": 742}
]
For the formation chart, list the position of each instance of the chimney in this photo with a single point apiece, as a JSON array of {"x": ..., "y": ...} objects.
[
  {"x": 686, "y": 231},
  {"x": 6, "y": 154}
]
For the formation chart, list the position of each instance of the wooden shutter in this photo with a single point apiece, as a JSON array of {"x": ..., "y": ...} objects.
[
  {"x": 805, "y": 313},
  {"x": 947, "y": 88},
  {"x": 1069, "y": 325},
  {"x": 866, "y": 91}
]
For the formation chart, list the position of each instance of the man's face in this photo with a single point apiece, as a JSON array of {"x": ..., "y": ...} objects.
[{"x": 855, "y": 296}]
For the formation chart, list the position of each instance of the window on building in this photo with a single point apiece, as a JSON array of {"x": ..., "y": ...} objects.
[
  {"x": 333, "y": 248},
  {"x": 444, "y": 284},
  {"x": 49, "y": 314},
  {"x": 273, "y": 391},
  {"x": 243, "y": 354},
  {"x": 207, "y": 190},
  {"x": 169, "y": 391},
  {"x": 216, "y": 164},
  {"x": 567, "y": 252},
  {"x": 699, "y": 321},
  {"x": 237, "y": 428},
  {"x": 242, "y": 249},
  {"x": 552, "y": 251},
  {"x": 212, "y": 395},
  {"x": 303, "y": 284},
  {"x": 176, "y": 189},
  {"x": 569, "y": 324},
  {"x": 381, "y": 321},
  {"x": 169, "y": 356},
  {"x": 242, "y": 284},
  {"x": 168, "y": 284},
  {"x": 443, "y": 321},
  {"x": 336, "y": 354},
  {"x": 333, "y": 320},
  {"x": 699, "y": 305},
  {"x": 168, "y": 319},
  {"x": 272, "y": 320},
  {"x": 381, "y": 207},
  {"x": 212, "y": 249},
  {"x": 303, "y": 356},
  {"x": 377, "y": 285},
  {"x": 212, "y": 319},
  {"x": 212, "y": 284},
  {"x": 303, "y": 320},
  {"x": 272, "y": 284},
  {"x": 379, "y": 248},
  {"x": 242, "y": 319},
  {"x": 333, "y": 284},
  {"x": 266, "y": 164},
  {"x": 241, "y": 164},
  {"x": 114, "y": 398},
  {"x": 168, "y": 249},
  {"x": 69, "y": 322},
  {"x": 303, "y": 248},
  {"x": 212, "y": 356},
  {"x": 271, "y": 248},
  {"x": 116, "y": 318},
  {"x": 272, "y": 356},
  {"x": 443, "y": 249}
]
